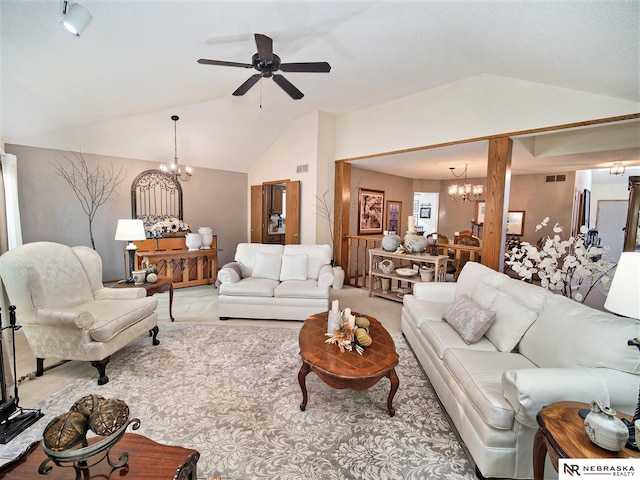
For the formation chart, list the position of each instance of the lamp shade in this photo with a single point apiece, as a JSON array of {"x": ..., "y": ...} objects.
[
  {"x": 624, "y": 294},
  {"x": 75, "y": 19},
  {"x": 130, "y": 229}
]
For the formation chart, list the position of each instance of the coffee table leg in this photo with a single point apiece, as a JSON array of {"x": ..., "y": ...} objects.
[
  {"x": 393, "y": 378},
  {"x": 302, "y": 375}
]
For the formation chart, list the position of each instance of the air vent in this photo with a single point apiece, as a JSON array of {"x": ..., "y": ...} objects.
[
  {"x": 555, "y": 178},
  {"x": 302, "y": 168}
]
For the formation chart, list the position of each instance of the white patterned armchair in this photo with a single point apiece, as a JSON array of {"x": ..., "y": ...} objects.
[{"x": 64, "y": 309}]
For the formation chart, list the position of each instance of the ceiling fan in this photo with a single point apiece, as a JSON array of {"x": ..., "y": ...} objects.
[{"x": 267, "y": 63}]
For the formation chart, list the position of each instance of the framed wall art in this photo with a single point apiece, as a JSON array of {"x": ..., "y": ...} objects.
[
  {"x": 515, "y": 222},
  {"x": 370, "y": 211},
  {"x": 394, "y": 214},
  {"x": 425, "y": 212}
]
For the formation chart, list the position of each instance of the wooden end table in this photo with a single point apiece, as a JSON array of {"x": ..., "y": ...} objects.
[
  {"x": 562, "y": 435},
  {"x": 148, "y": 460},
  {"x": 164, "y": 284},
  {"x": 349, "y": 369}
]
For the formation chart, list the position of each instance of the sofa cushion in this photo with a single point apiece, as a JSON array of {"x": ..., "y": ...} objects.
[
  {"x": 267, "y": 265},
  {"x": 114, "y": 316},
  {"x": 423, "y": 310},
  {"x": 300, "y": 289},
  {"x": 479, "y": 373},
  {"x": 294, "y": 267},
  {"x": 318, "y": 255},
  {"x": 484, "y": 294},
  {"x": 246, "y": 254},
  {"x": 442, "y": 336},
  {"x": 468, "y": 318},
  {"x": 473, "y": 273},
  {"x": 570, "y": 334},
  {"x": 512, "y": 321},
  {"x": 249, "y": 287}
]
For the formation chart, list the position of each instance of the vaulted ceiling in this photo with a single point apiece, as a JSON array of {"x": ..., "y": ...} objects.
[{"x": 113, "y": 90}]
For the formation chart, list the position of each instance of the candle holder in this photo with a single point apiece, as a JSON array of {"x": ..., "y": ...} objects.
[{"x": 434, "y": 248}]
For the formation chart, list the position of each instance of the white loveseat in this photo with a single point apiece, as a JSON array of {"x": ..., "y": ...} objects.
[
  {"x": 284, "y": 282},
  {"x": 540, "y": 348}
]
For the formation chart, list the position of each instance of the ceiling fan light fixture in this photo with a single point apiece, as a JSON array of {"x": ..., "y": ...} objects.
[
  {"x": 174, "y": 169},
  {"x": 75, "y": 18}
]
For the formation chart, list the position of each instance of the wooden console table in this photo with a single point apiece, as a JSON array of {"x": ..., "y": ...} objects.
[
  {"x": 174, "y": 260},
  {"x": 376, "y": 255},
  {"x": 148, "y": 460}
]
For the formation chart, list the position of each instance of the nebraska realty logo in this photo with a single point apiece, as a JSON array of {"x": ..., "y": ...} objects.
[{"x": 598, "y": 468}]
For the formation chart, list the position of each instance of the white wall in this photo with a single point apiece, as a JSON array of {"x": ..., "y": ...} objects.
[
  {"x": 472, "y": 107},
  {"x": 429, "y": 225},
  {"x": 307, "y": 140}
]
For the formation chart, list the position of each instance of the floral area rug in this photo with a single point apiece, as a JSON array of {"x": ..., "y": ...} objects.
[{"x": 232, "y": 393}]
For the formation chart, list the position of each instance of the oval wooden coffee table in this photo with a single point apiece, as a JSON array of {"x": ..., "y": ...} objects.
[{"x": 349, "y": 369}]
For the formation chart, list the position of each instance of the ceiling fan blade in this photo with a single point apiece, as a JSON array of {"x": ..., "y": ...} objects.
[
  {"x": 222, "y": 63},
  {"x": 244, "y": 88},
  {"x": 265, "y": 47},
  {"x": 311, "y": 67},
  {"x": 288, "y": 87}
]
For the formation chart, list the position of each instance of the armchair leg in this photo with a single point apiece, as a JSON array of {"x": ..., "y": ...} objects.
[
  {"x": 101, "y": 365},
  {"x": 39, "y": 367},
  {"x": 154, "y": 331}
]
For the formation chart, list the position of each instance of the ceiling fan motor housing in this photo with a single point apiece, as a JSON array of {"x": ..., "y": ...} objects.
[{"x": 266, "y": 69}]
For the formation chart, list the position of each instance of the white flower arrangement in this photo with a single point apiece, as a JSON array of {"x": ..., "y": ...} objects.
[
  {"x": 563, "y": 265},
  {"x": 170, "y": 225}
]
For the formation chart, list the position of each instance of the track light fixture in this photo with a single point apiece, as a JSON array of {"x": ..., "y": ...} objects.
[{"x": 75, "y": 17}]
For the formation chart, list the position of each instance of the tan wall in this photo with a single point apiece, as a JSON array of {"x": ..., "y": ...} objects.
[
  {"x": 49, "y": 210},
  {"x": 529, "y": 193}
]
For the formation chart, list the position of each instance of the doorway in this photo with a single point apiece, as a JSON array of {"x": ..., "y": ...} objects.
[
  {"x": 611, "y": 219},
  {"x": 275, "y": 212}
]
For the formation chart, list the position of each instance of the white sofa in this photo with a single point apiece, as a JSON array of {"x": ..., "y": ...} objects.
[
  {"x": 540, "y": 348},
  {"x": 267, "y": 281}
]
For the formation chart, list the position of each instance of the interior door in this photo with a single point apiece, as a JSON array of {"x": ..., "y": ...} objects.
[
  {"x": 257, "y": 225},
  {"x": 610, "y": 222},
  {"x": 292, "y": 231}
]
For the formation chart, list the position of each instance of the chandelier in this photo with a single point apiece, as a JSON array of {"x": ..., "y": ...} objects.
[
  {"x": 616, "y": 169},
  {"x": 174, "y": 167},
  {"x": 464, "y": 192}
]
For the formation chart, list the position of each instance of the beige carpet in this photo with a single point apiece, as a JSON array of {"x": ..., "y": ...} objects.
[{"x": 191, "y": 305}]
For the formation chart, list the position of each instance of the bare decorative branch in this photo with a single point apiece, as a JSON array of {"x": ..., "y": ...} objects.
[{"x": 92, "y": 187}]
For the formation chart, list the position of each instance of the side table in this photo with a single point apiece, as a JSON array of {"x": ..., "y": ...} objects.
[
  {"x": 561, "y": 434},
  {"x": 148, "y": 460},
  {"x": 163, "y": 284}
]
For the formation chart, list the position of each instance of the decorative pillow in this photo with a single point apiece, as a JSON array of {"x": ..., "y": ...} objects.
[
  {"x": 512, "y": 321},
  {"x": 468, "y": 318},
  {"x": 294, "y": 267},
  {"x": 267, "y": 265},
  {"x": 227, "y": 274}
]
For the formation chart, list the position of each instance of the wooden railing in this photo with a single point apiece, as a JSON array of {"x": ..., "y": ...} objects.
[
  {"x": 358, "y": 246},
  {"x": 356, "y": 270}
]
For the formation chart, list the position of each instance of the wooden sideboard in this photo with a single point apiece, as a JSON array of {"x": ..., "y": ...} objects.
[{"x": 172, "y": 259}]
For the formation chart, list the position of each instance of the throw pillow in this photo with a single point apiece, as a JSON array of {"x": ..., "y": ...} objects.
[
  {"x": 512, "y": 321},
  {"x": 294, "y": 267},
  {"x": 230, "y": 273},
  {"x": 267, "y": 265},
  {"x": 468, "y": 318}
]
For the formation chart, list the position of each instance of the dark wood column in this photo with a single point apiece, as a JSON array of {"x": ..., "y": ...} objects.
[
  {"x": 341, "y": 202},
  {"x": 496, "y": 202},
  {"x": 631, "y": 241}
]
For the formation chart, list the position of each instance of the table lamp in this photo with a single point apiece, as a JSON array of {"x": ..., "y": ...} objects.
[
  {"x": 624, "y": 299},
  {"x": 129, "y": 230}
]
